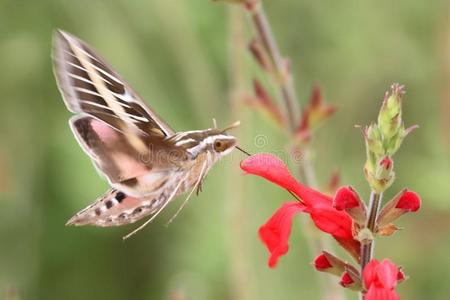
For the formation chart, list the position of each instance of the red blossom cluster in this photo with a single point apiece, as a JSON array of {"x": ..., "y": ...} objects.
[{"x": 341, "y": 216}]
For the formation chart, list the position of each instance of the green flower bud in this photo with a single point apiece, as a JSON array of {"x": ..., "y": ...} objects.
[
  {"x": 385, "y": 168},
  {"x": 382, "y": 176},
  {"x": 374, "y": 140},
  {"x": 390, "y": 116}
]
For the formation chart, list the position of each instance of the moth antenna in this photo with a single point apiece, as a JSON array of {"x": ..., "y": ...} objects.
[
  {"x": 190, "y": 194},
  {"x": 215, "y": 123},
  {"x": 234, "y": 125},
  {"x": 157, "y": 213}
]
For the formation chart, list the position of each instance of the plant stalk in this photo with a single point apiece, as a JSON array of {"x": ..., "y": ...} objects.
[
  {"x": 367, "y": 246},
  {"x": 282, "y": 74}
]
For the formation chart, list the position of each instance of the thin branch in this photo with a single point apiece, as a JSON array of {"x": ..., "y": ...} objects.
[{"x": 282, "y": 72}]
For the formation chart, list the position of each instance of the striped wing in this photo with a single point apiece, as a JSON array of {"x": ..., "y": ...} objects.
[
  {"x": 88, "y": 84},
  {"x": 114, "y": 126},
  {"x": 115, "y": 208}
]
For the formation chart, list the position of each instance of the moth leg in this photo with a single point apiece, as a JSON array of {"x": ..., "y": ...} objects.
[
  {"x": 196, "y": 186},
  {"x": 199, "y": 188}
]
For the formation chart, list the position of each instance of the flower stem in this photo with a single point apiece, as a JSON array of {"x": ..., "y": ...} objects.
[
  {"x": 368, "y": 245},
  {"x": 282, "y": 73}
]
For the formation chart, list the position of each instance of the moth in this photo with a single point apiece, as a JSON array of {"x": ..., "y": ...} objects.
[{"x": 146, "y": 162}]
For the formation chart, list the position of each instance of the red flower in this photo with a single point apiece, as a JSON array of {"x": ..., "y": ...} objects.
[
  {"x": 347, "y": 199},
  {"x": 275, "y": 233},
  {"x": 380, "y": 280},
  {"x": 409, "y": 201},
  {"x": 346, "y": 280},
  {"x": 404, "y": 202},
  {"x": 322, "y": 263}
]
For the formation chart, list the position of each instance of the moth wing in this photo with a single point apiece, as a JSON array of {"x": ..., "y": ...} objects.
[
  {"x": 111, "y": 151},
  {"x": 115, "y": 208},
  {"x": 88, "y": 84},
  {"x": 136, "y": 172}
]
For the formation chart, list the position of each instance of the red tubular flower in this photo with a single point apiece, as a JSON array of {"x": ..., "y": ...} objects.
[
  {"x": 347, "y": 199},
  {"x": 275, "y": 232},
  {"x": 409, "y": 201},
  {"x": 406, "y": 201},
  {"x": 328, "y": 263},
  {"x": 322, "y": 263},
  {"x": 346, "y": 280},
  {"x": 380, "y": 280}
]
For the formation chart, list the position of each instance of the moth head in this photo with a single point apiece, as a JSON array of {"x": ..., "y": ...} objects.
[
  {"x": 219, "y": 141},
  {"x": 215, "y": 141},
  {"x": 222, "y": 144}
]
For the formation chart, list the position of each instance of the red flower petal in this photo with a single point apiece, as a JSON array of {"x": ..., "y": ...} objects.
[
  {"x": 369, "y": 272},
  {"x": 380, "y": 280},
  {"x": 273, "y": 169},
  {"x": 346, "y": 280},
  {"x": 409, "y": 201},
  {"x": 387, "y": 273},
  {"x": 376, "y": 293},
  {"x": 336, "y": 223},
  {"x": 401, "y": 276},
  {"x": 321, "y": 262},
  {"x": 386, "y": 162},
  {"x": 275, "y": 233},
  {"x": 346, "y": 198}
]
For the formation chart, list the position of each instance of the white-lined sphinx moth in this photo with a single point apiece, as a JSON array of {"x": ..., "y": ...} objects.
[{"x": 146, "y": 163}]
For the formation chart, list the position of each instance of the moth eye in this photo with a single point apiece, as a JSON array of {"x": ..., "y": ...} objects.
[{"x": 219, "y": 146}]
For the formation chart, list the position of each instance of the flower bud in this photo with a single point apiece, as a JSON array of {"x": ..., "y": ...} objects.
[
  {"x": 348, "y": 281},
  {"x": 318, "y": 110},
  {"x": 265, "y": 104},
  {"x": 374, "y": 142},
  {"x": 406, "y": 201},
  {"x": 329, "y": 263},
  {"x": 385, "y": 167},
  {"x": 256, "y": 49},
  {"x": 390, "y": 116},
  {"x": 321, "y": 263},
  {"x": 383, "y": 176},
  {"x": 401, "y": 276},
  {"x": 347, "y": 199}
]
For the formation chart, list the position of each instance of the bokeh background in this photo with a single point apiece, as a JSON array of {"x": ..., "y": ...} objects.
[{"x": 189, "y": 60}]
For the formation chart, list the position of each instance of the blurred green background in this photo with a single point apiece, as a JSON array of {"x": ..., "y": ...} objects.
[{"x": 188, "y": 59}]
